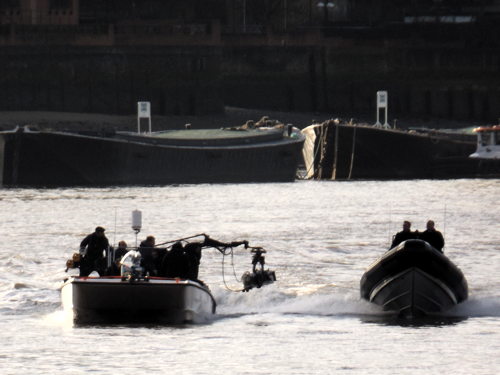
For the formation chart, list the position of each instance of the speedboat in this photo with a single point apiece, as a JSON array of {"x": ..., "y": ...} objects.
[
  {"x": 124, "y": 300},
  {"x": 414, "y": 279}
]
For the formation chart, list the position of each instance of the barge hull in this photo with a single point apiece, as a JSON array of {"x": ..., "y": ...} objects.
[{"x": 50, "y": 159}]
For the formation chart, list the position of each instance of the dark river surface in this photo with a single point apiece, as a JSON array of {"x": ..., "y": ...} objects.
[{"x": 320, "y": 238}]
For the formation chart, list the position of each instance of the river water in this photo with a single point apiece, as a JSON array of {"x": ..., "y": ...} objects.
[{"x": 320, "y": 237}]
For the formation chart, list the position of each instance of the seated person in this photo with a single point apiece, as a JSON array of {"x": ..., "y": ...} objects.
[
  {"x": 433, "y": 237},
  {"x": 118, "y": 254},
  {"x": 405, "y": 234}
]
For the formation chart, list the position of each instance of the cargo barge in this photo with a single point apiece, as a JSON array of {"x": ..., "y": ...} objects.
[
  {"x": 339, "y": 151},
  {"x": 42, "y": 158}
]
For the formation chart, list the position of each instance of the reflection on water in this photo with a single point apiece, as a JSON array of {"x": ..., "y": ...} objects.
[{"x": 420, "y": 322}]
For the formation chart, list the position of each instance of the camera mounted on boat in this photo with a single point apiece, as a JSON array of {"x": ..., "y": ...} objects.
[
  {"x": 258, "y": 277},
  {"x": 131, "y": 269}
]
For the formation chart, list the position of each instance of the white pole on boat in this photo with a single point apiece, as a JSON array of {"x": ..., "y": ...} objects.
[
  {"x": 114, "y": 233},
  {"x": 143, "y": 111},
  {"x": 136, "y": 223}
]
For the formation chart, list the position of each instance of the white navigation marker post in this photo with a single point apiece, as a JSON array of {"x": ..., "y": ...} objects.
[
  {"x": 143, "y": 111},
  {"x": 382, "y": 102}
]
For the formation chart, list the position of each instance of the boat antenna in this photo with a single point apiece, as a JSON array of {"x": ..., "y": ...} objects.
[
  {"x": 389, "y": 234},
  {"x": 444, "y": 222},
  {"x": 114, "y": 233}
]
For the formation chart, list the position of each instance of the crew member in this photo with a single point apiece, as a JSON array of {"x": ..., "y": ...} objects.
[
  {"x": 93, "y": 247},
  {"x": 193, "y": 254},
  {"x": 192, "y": 251},
  {"x": 118, "y": 254},
  {"x": 150, "y": 255},
  {"x": 176, "y": 262},
  {"x": 405, "y": 234},
  {"x": 433, "y": 237},
  {"x": 120, "y": 251}
]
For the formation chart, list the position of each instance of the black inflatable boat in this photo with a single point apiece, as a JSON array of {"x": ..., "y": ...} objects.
[{"x": 414, "y": 279}]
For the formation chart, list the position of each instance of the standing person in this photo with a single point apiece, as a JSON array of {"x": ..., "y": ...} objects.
[
  {"x": 193, "y": 254},
  {"x": 92, "y": 248},
  {"x": 150, "y": 255},
  {"x": 405, "y": 234},
  {"x": 433, "y": 237},
  {"x": 176, "y": 262}
]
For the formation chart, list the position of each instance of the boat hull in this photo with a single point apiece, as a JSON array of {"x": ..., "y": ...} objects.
[
  {"x": 414, "y": 279},
  {"x": 363, "y": 152},
  {"x": 413, "y": 293},
  {"x": 113, "y": 300},
  {"x": 53, "y": 159}
]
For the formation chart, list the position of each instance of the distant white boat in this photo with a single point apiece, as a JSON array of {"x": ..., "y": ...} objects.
[{"x": 488, "y": 142}]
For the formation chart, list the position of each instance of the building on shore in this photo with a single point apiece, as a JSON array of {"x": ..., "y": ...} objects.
[{"x": 436, "y": 58}]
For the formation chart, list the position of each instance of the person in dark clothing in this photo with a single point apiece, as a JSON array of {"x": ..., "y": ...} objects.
[
  {"x": 150, "y": 256},
  {"x": 92, "y": 247},
  {"x": 176, "y": 263},
  {"x": 184, "y": 262},
  {"x": 193, "y": 254},
  {"x": 120, "y": 251},
  {"x": 433, "y": 237},
  {"x": 118, "y": 254},
  {"x": 405, "y": 234}
]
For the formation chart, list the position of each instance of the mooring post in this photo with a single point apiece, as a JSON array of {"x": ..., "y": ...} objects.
[
  {"x": 335, "y": 152},
  {"x": 352, "y": 152}
]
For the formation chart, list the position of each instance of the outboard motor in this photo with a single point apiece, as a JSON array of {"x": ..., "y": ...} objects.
[
  {"x": 131, "y": 268},
  {"x": 258, "y": 277}
]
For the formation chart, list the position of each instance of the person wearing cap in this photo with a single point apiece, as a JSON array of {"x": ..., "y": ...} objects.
[
  {"x": 405, "y": 234},
  {"x": 92, "y": 248}
]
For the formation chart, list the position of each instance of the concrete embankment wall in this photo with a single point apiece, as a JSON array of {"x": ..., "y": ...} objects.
[
  {"x": 176, "y": 80},
  {"x": 341, "y": 76},
  {"x": 422, "y": 81}
]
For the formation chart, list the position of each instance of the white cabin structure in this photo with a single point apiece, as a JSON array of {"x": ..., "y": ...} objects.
[{"x": 488, "y": 142}]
